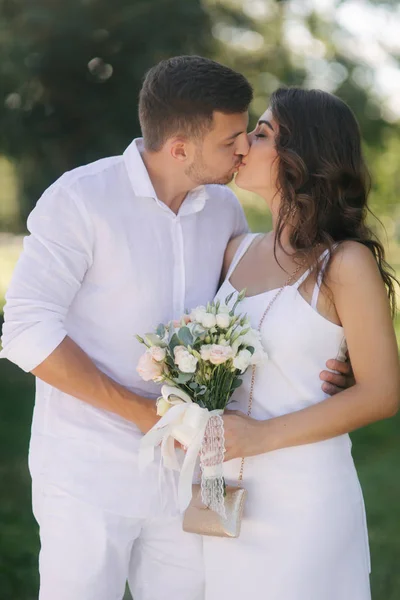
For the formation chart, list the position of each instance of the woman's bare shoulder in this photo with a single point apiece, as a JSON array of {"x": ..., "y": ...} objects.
[{"x": 352, "y": 260}]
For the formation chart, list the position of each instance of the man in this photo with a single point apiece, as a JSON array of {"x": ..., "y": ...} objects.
[{"x": 116, "y": 247}]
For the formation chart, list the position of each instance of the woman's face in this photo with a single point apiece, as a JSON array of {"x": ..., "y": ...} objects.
[{"x": 260, "y": 167}]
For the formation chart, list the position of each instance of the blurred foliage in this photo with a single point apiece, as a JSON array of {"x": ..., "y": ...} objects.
[{"x": 70, "y": 73}]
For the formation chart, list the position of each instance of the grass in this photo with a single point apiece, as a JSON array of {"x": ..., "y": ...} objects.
[{"x": 376, "y": 450}]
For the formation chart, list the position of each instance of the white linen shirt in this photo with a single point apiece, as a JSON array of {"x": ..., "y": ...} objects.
[{"x": 105, "y": 260}]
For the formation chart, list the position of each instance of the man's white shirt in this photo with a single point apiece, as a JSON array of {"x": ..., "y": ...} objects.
[{"x": 105, "y": 260}]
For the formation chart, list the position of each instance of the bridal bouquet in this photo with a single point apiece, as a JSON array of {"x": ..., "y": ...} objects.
[{"x": 199, "y": 360}]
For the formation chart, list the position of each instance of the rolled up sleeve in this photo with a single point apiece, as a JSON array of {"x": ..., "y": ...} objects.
[{"x": 49, "y": 273}]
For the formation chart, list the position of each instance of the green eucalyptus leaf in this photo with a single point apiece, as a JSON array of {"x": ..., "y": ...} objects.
[
  {"x": 183, "y": 377},
  {"x": 202, "y": 391},
  {"x": 185, "y": 336},
  {"x": 153, "y": 339},
  {"x": 170, "y": 362},
  {"x": 237, "y": 382},
  {"x": 160, "y": 331},
  {"x": 175, "y": 341}
]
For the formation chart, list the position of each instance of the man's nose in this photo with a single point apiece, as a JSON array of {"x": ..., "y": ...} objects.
[{"x": 243, "y": 146}]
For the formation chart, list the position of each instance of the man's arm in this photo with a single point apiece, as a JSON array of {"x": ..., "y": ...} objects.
[
  {"x": 70, "y": 370},
  {"x": 48, "y": 275}
]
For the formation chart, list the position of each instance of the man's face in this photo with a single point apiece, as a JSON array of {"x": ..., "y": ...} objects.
[{"x": 220, "y": 152}]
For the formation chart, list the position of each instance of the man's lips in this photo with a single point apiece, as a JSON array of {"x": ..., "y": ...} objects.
[{"x": 241, "y": 164}]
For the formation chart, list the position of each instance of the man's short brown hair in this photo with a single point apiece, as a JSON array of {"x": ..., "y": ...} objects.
[{"x": 179, "y": 96}]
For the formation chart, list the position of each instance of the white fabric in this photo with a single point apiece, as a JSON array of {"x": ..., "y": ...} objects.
[
  {"x": 88, "y": 554},
  {"x": 106, "y": 259},
  {"x": 304, "y": 533}
]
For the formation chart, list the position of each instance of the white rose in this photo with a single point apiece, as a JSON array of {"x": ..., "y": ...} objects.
[
  {"x": 259, "y": 356},
  {"x": 158, "y": 354},
  {"x": 205, "y": 352},
  {"x": 220, "y": 354},
  {"x": 197, "y": 314},
  {"x": 223, "y": 320},
  {"x": 242, "y": 360},
  {"x": 209, "y": 320},
  {"x": 224, "y": 309},
  {"x": 235, "y": 345},
  {"x": 251, "y": 338},
  {"x": 186, "y": 362},
  {"x": 178, "y": 350}
]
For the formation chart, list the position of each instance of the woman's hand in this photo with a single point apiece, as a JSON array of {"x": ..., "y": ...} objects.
[{"x": 241, "y": 435}]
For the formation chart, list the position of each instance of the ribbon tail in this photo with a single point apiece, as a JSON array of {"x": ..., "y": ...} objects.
[
  {"x": 168, "y": 453},
  {"x": 146, "y": 450},
  {"x": 187, "y": 472},
  {"x": 157, "y": 433}
]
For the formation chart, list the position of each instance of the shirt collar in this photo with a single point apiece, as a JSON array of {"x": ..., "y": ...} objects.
[{"x": 142, "y": 186}]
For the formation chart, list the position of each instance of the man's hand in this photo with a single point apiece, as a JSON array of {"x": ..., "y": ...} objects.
[{"x": 339, "y": 381}]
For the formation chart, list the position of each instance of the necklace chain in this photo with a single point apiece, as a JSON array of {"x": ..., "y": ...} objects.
[{"x": 253, "y": 375}]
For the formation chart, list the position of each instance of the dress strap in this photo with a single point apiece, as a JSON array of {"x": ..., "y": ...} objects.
[
  {"x": 324, "y": 259},
  {"x": 241, "y": 251},
  {"x": 301, "y": 279}
]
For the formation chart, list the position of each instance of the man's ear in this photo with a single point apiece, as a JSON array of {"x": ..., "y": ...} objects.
[{"x": 180, "y": 149}]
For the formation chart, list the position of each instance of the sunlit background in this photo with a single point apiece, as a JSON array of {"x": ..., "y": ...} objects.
[{"x": 70, "y": 72}]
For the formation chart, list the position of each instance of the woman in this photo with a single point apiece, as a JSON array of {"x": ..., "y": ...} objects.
[{"x": 304, "y": 533}]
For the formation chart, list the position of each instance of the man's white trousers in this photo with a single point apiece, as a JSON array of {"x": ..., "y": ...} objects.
[{"x": 89, "y": 554}]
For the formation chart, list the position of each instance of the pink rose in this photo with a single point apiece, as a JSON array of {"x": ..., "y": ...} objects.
[
  {"x": 220, "y": 354},
  {"x": 178, "y": 324},
  {"x": 148, "y": 368}
]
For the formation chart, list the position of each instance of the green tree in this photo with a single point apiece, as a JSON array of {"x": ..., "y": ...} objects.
[
  {"x": 70, "y": 73},
  {"x": 285, "y": 43}
]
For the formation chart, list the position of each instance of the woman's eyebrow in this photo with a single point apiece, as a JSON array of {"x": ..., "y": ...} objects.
[{"x": 264, "y": 122}]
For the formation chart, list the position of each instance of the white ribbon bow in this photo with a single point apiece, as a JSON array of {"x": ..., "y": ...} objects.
[{"x": 185, "y": 422}]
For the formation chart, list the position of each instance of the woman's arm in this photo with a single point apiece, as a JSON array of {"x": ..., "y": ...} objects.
[
  {"x": 363, "y": 308},
  {"x": 230, "y": 252}
]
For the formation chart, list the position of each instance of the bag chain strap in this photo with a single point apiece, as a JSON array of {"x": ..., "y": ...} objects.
[{"x": 274, "y": 299}]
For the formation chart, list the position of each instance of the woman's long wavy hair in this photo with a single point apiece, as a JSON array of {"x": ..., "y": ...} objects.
[{"x": 322, "y": 177}]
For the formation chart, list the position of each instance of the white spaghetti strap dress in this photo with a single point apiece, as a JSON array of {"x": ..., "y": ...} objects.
[{"x": 304, "y": 533}]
